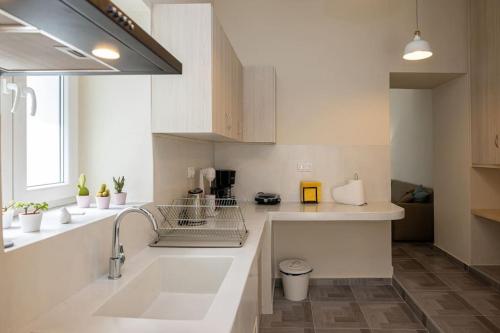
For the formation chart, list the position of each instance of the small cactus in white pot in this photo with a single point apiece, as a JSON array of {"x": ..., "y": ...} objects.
[
  {"x": 31, "y": 215},
  {"x": 83, "y": 197},
  {"x": 102, "y": 197},
  {"x": 119, "y": 197},
  {"x": 7, "y": 215}
]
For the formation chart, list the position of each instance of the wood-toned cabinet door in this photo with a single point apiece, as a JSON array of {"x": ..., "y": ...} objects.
[
  {"x": 227, "y": 85},
  {"x": 259, "y": 104},
  {"x": 485, "y": 81}
]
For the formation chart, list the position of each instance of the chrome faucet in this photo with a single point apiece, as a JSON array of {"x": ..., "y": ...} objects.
[{"x": 117, "y": 255}]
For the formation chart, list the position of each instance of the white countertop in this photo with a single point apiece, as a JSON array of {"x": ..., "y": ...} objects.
[
  {"x": 75, "y": 315},
  {"x": 329, "y": 211}
]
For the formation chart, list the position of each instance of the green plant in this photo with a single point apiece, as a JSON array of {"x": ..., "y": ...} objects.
[
  {"x": 103, "y": 191},
  {"x": 9, "y": 206},
  {"x": 119, "y": 183},
  {"x": 31, "y": 207},
  {"x": 82, "y": 189}
]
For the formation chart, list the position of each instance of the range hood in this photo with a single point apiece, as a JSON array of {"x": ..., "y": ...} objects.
[{"x": 77, "y": 37}]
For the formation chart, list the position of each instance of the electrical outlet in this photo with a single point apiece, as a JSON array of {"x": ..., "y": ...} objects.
[
  {"x": 304, "y": 166},
  {"x": 191, "y": 172}
]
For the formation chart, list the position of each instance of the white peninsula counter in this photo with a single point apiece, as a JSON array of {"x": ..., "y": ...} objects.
[{"x": 339, "y": 241}]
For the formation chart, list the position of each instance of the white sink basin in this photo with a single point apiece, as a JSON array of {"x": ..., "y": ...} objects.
[{"x": 171, "y": 288}]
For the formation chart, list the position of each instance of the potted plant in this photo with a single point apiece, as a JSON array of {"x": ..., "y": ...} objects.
[
  {"x": 83, "y": 197},
  {"x": 119, "y": 197},
  {"x": 102, "y": 197},
  {"x": 31, "y": 215},
  {"x": 7, "y": 215}
]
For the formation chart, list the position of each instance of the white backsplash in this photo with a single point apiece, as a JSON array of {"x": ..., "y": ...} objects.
[
  {"x": 172, "y": 157},
  {"x": 273, "y": 168}
]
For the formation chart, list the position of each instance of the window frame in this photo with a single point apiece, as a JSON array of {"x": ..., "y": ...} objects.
[{"x": 14, "y": 152}]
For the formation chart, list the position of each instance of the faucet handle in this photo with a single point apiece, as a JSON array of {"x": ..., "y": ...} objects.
[{"x": 122, "y": 254}]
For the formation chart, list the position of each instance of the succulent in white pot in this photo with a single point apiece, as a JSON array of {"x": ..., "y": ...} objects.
[
  {"x": 119, "y": 197},
  {"x": 31, "y": 216},
  {"x": 83, "y": 196},
  {"x": 7, "y": 215},
  {"x": 102, "y": 198}
]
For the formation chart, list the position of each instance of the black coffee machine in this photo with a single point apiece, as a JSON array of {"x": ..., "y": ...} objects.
[{"x": 223, "y": 184}]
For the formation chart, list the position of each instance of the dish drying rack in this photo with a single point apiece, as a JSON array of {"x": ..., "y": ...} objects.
[{"x": 201, "y": 222}]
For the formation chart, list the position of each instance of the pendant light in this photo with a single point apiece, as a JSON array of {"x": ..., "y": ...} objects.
[{"x": 418, "y": 48}]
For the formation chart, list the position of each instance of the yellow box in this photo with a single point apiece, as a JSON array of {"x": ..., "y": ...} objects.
[{"x": 310, "y": 192}]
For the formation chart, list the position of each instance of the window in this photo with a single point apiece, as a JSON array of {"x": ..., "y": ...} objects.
[
  {"x": 45, "y": 133},
  {"x": 39, "y": 152}
]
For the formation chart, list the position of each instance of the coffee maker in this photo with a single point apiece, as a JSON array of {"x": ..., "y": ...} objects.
[{"x": 223, "y": 184}]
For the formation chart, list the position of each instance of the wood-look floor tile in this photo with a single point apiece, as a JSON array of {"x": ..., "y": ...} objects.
[
  {"x": 492, "y": 271},
  {"x": 467, "y": 324},
  {"x": 408, "y": 265},
  {"x": 365, "y": 330},
  {"x": 289, "y": 314},
  {"x": 443, "y": 303},
  {"x": 286, "y": 330},
  {"x": 390, "y": 316},
  {"x": 487, "y": 302},
  {"x": 463, "y": 281},
  {"x": 421, "y": 250},
  {"x": 441, "y": 264},
  {"x": 331, "y": 293},
  {"x": 420, "y": 281},
  {"x": 338, "y": 315},
  {"x": 343, "y": 330},
  {"x": 398, "y": 331},
  {"x": 399, "y": 253},
  {"x": 376, "y": 294}
]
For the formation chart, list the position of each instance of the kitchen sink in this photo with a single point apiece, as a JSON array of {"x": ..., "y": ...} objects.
[{"x": 171, "y": 288}]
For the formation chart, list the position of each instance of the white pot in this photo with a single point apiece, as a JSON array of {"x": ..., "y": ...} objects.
[
  {"x": 7, "y": 218},
  {"x": 120, "y": 198},
  {"x": 30, "y": 222},
  {"x": 102, "y": 202},
  {"x": 83, "y": 201}
]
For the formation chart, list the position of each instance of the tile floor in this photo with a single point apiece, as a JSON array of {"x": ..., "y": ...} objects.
[
  {"x": 333, "y": 308},
  {"x": 438, "y": 294},
  {"x": 445, "y": 296}
]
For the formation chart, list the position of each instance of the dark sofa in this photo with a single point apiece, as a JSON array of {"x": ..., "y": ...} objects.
[{"x": 418, "y": 223}]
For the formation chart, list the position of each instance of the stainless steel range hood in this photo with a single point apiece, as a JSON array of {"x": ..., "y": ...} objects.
[{"x": 65, "y": 37}]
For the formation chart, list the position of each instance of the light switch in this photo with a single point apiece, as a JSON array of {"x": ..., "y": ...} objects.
[{"x": 304, "y": 166}]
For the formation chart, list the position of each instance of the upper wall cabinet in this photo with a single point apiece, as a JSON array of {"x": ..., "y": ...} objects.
[
  {"x": 206, "y": 101},
  {"x": 259, "y": 104},
  {"x": 485, "y": 82}
]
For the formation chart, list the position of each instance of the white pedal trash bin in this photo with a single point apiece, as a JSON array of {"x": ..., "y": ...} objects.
[{"x": 295, "y": 274}]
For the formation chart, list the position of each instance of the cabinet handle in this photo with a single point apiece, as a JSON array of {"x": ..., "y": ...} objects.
[{"x": 496, "y": 141}]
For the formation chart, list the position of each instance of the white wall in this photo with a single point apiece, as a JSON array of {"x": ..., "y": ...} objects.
[
  {"x": 412, "y": 143},
  {"x": 172, "y": 157},
  {"x": 115, "y": 133},
  {"x": 452, "y": 161}
]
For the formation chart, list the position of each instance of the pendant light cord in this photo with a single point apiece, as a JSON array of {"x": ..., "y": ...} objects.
[{"x": 416, "y": 13}]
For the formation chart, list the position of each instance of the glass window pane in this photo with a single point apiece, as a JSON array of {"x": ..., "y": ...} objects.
[{"x": 44, "y": 135}]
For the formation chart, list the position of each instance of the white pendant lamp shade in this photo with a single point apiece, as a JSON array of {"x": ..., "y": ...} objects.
[{"x": 417, "y": 49}]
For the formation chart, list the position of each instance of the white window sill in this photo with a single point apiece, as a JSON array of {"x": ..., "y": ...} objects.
[{"x": 52, "y": 227}]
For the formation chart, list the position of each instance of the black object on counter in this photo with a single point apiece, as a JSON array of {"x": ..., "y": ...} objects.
[{"x": 267, "y": 198}]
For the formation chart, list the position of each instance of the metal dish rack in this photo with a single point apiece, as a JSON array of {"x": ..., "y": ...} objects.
[{"x": 201, "y": 223}]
